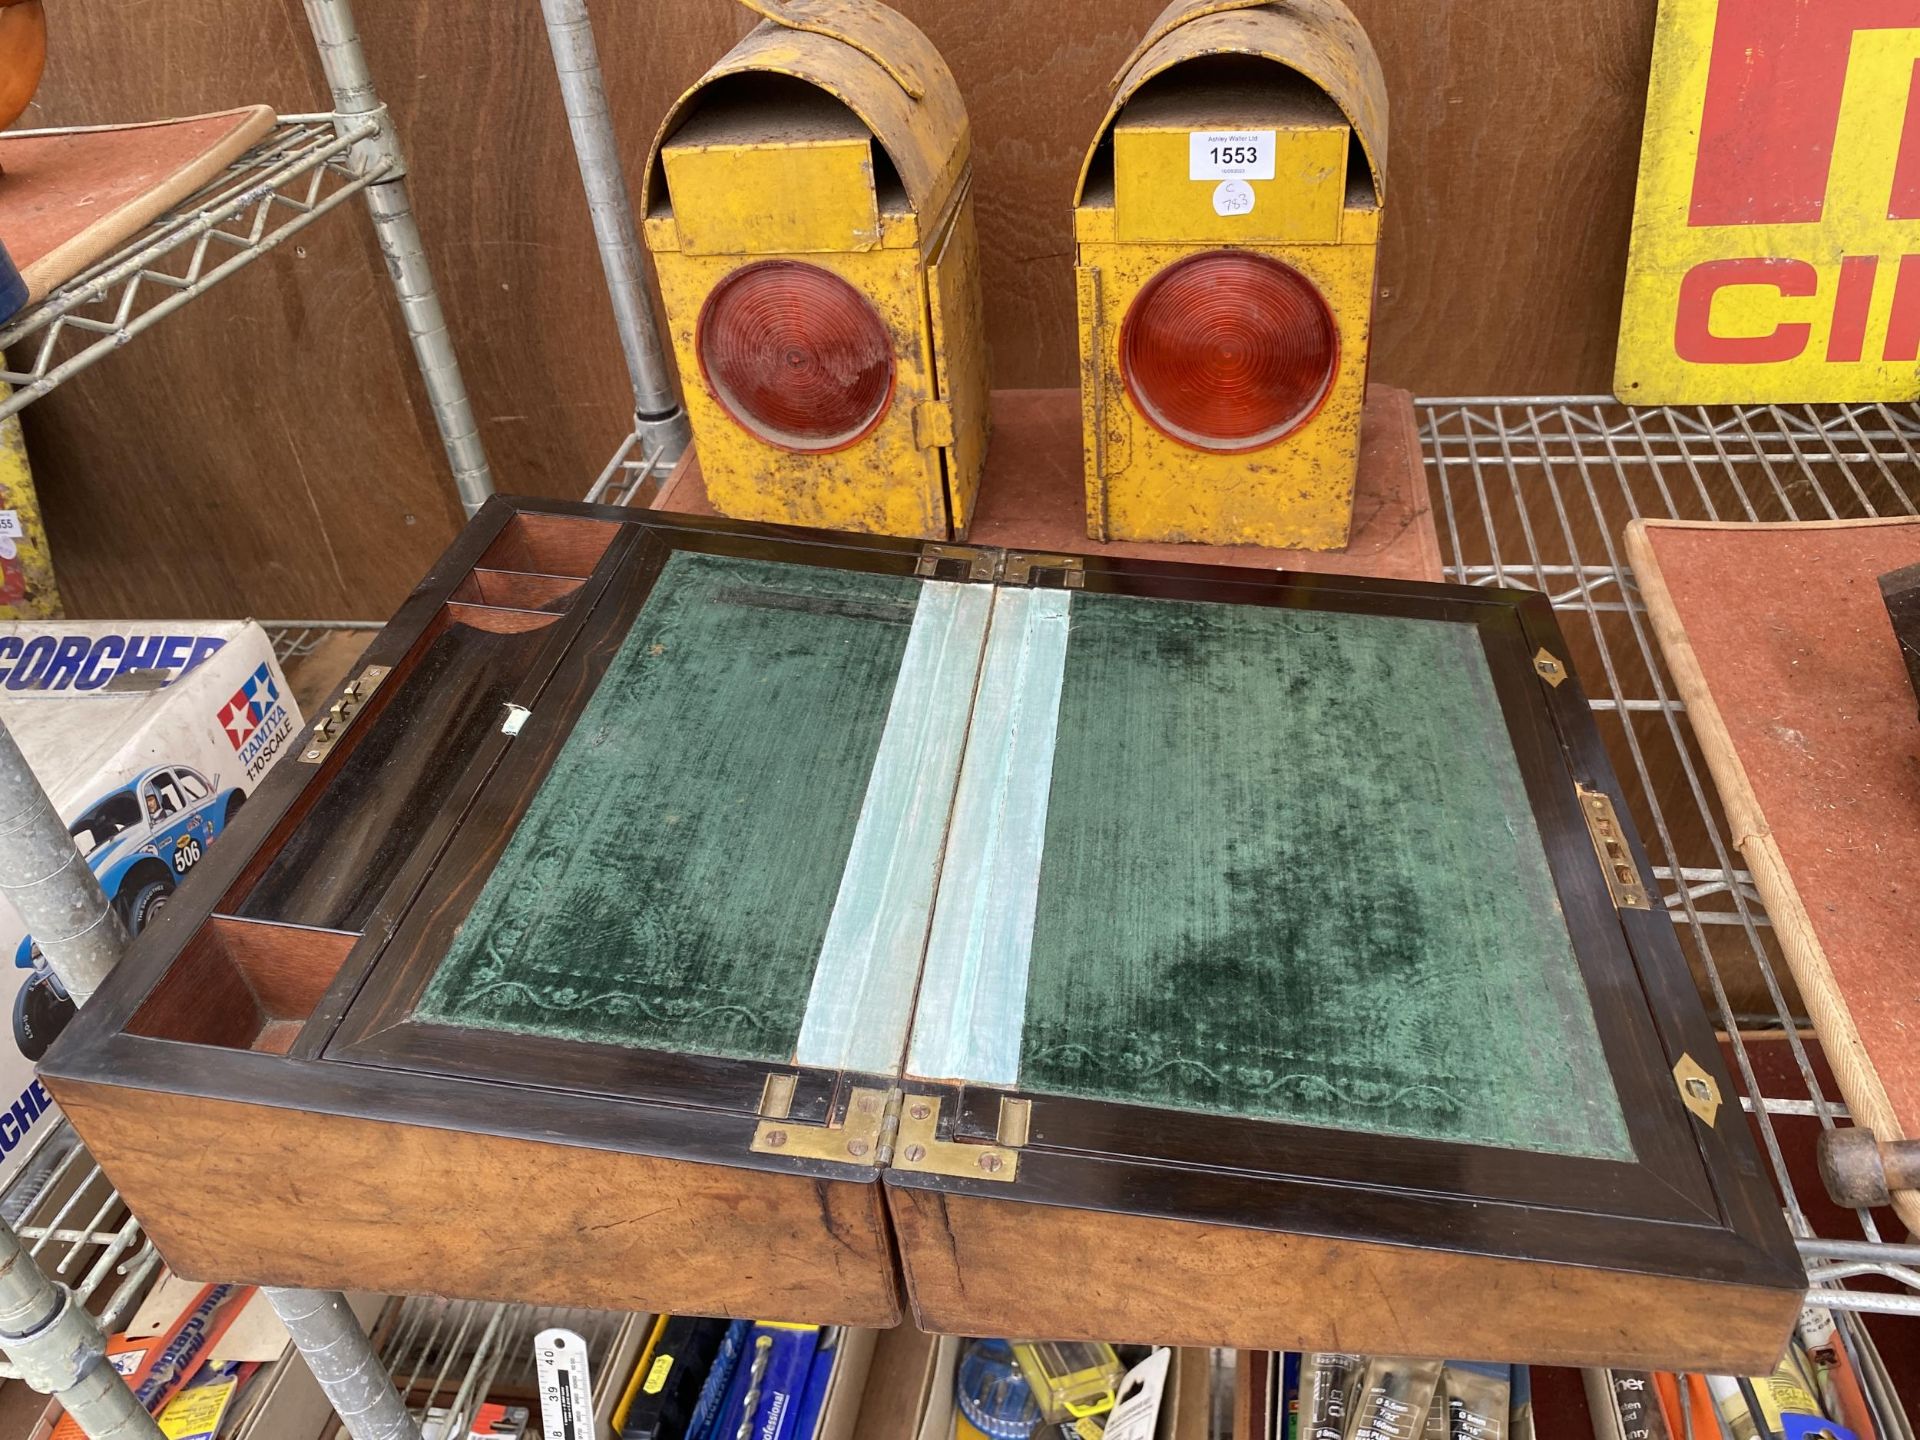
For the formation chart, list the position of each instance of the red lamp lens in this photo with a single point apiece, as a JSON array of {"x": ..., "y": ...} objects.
[
  {"x": 795, "y": 355},
  {"x": 1229, "y": 350}
]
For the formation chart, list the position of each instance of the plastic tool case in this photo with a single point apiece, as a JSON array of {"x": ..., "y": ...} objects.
[{"x": 696, "y": 916}]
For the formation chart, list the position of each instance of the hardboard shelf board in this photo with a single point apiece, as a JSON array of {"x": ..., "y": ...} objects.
[
  {"x": 1780, "y": 646},
  {"x": 310, "y": 1189},
  {"x": 1033, "y": 494},
  {"x": 69, "y": 199}
]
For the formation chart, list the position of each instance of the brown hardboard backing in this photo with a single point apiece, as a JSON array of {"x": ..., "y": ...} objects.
[{"x": 1780, "y": 645}]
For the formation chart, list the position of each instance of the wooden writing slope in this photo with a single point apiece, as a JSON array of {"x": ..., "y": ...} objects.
[{"x": 747, "y": 920}]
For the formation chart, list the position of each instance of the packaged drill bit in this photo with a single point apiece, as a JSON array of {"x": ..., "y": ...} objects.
[
  {"x": 1327, "y": 1379},
  {"x": 1475, "y": 1399},
  {"x": 1391, "y": 1400},
  {"x": 769, "y": 1382}
]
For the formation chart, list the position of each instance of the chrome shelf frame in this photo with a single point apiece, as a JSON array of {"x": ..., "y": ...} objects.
[
  {"x": 1534, "y": 492},
  {"x": 454, "y": 1354},
  {"x": 298, "y": 172}
]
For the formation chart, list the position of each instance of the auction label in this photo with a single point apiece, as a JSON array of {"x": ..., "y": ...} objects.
[{"x": 1230, "y": 155}]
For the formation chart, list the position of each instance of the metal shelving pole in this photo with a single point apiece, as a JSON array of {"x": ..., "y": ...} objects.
[
  {"x": 57, "y": 1347},
  {"x": 356, "y": 104},
  {"x": 660, "y": 429}
]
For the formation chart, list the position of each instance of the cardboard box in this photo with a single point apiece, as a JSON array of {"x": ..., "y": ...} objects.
[{"x": 148, "y": 738}]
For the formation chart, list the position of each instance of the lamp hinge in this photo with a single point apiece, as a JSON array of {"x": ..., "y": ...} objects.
[
  {"x": 328, "y": 729},
  {"x": 1610, "y": 844},
  {"x": 933, "y": 424},
  {"x": 918, "y": 1146},
  {"x": 859, "y": 1136},
  {"x": 1053, "y": 572}
]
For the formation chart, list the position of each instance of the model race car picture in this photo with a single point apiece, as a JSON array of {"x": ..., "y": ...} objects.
[{"x": 140, "y": 839}]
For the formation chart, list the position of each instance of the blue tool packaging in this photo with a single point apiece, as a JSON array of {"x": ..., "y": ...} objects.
[{"x": 769, "y": 1383}]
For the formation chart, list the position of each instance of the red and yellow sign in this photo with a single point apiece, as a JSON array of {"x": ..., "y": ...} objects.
[{"x": 1776, "y": 232}]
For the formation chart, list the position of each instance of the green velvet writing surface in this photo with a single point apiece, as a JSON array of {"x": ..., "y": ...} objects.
[
  {"x": 1290, "y": 872},
  {"x": 670, "y": 884}
]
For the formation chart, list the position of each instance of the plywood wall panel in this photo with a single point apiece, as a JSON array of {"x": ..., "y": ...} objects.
[{"x": 269, "y": 448}]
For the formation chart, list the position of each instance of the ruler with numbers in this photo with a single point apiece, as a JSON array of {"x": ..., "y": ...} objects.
[{"x": 566, "y": 1389}]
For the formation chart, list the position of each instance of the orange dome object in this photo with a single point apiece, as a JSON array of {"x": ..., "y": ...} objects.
[{"x": 23, "y": 55}]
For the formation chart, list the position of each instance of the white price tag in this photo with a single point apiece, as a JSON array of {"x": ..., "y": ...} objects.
[
  {"x": 10, "y": 526},
  {"x": 566, "y": 1389},
  {"x": 1230, "y": 155}
]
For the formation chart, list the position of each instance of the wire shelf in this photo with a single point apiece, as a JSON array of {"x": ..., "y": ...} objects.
[
  {"x": 296, "y": 639},
  {"x": 296, "y": 174},
  {"x": 632, "y": 476},
  {"x": 78, "y": 1231},
  {"x": 1535, "y": 493},
  {"x": 455, "y": 1354}
]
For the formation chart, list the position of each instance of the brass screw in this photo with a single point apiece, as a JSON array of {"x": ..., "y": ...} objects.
[
  {"x": 776, "y": 1138},
  {"x": 865, "y": 1107},
  {"x": 920, "y": 1112},
  {"x": 856, "y": 1147},
  {"x": 991, "y": 1162},
  {"x": 916, "y": 1153}
]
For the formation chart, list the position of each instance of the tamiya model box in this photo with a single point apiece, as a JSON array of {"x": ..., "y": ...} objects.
[{"x": 148, "y": 737}]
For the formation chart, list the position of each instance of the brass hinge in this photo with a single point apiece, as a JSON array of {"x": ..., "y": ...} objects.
[
  {"x": 1549, "y": 666},
  {"x": 1603, "y": 826},
  {"x": 859, "y": 1137},
  {"x": 918, "y": 1147},
  {"x": 958, "y": 562},
  {"x": 1058, "y": 572},
  {"x": 328, "y": 729},
  {"x": 932, "y": 424},
  {"x": 1699, "y": 1091}
]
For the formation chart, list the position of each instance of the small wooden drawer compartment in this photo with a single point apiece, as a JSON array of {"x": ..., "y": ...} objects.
[
  {"x": 550, "y": 545},
  {"x": 516, "y": 590},
  {"x": 243, "y": 985}
]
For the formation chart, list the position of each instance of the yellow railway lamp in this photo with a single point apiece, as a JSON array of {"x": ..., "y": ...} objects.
[
  {"x": 810, "y": 216},
  {"x": 1227, "y": 221}
]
